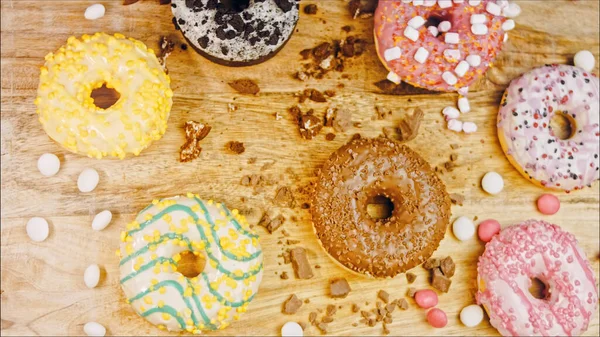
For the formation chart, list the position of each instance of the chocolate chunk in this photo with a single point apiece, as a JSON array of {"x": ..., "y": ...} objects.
[
  {"x": 310, "y": 9},
  {"x": 322, "y": 51},
  {"x": 457, "y": 199},
  {"x": 292, "y": 305},
  {"x": 271, "y": 224},
  {"x": 403, "y": 303},
  {"x": 339, "y": 288},
  {"x": 245, "y": 86},
  {"x": 431, "y": 263},
  {"x": 410, "y": 277},
  {"x": 384, "y": 296},
  {"x": 439, "y": 281},
  {"x": 235, "y": 147},
  {"x": 194, "y": 133},
  {"x": 409, "y": 126},
  {"x": 300, "y": 263},
  {"x": 411, "y": 292},
  {"x": 448, "y": 267},
  {"x": 284, "y": 197},
  {"x": 309, "y": 126},
  {"x": 273, "y": 40}
]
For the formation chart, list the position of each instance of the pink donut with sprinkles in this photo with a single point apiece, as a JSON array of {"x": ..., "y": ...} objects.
[
  {"x": 525, "y": 132},
  {"x": 439, "y": 45},
  {"x": 536, "y": 249}
]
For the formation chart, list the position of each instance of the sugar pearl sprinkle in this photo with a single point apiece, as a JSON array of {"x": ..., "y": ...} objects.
[
  {"x": 463, "y": 228},
  {"x": 471, "y": 315},
  {"x": 37, "y": 229},
  {"x": 91, "y": 276},
  {"x": 48, "y": 164},
  {"x": 291, "y": 329},
  {"x": 94, "y": 329}
]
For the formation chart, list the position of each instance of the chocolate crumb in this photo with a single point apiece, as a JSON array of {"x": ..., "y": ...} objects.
[
  {"x": 431, "y": 263},
  {"x": 284, "y": 275},
  {"x": 310, "y": 126},
  {"x": 403, "y": 303},
  {"x": 448, "y": 267},
  {"x": 330, "y": 136},
  {"x": 457, "y": 199},
  {"x": 317, "y": 266},
  {"x": 439, "y": 281},
  {"x": 339, "y": 288},
  {"x": 453, "y": 157},
  {"x": 410, "y": 277},
  {"x": 235, "y": 147},
  {"x": 307, "y": 301},
  {"x": 245, "y": 86},
  {"x": 355, "y": 307},
  {"x": 284, "y": 197},
  {"x": 390, "y": 307},
  {"x": 194, "y": 133},
  {"x": 347, "y": 28},
  {"x": 384, "y": 296},
  {"x": 327, "y": 319},
  {"x": 316, "y": 96},
  {"x": 330, "y": 93},
  {"x": 292, "y": 305},
  {"x": 310, "y": 9},
  {"x": 411, "y": 292},
  {"x": 300, "y": 263},
  {"x": 271, "y": 225}
]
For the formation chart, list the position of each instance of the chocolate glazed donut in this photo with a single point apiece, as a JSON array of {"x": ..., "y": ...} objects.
[
  {"x": 236, "y": 32},
  {"x": 356, "y": 174}
]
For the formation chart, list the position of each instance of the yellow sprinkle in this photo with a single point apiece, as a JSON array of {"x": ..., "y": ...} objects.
[
  {"x": 176, "y": 257},
  {"x": 161, "y": 327},
  {"x": 154, "y": 281},
  {"x": 148, "y": 300},
  {"x": 166, "y": 316},
  {"x": 161, "y": 303},
  {"x": 162, "y": 290}
]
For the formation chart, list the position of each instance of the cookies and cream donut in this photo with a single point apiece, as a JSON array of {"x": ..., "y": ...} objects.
[
  {"x": 68, "y": 113},
  {"x": 152, "y": 253},
  {"x": 536, "y": 249},
  {"x": 525, "y": 132},
  {"x": 354, "y": 177},
  {"x": 443, "y": 45},
  {"x": 236, "y": 32}
]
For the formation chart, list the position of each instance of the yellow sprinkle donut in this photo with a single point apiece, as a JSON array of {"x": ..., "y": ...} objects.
[{"x": 67, "y": 110}]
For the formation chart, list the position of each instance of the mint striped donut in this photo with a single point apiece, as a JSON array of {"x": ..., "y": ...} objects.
[{"x": 151, "y": 247}]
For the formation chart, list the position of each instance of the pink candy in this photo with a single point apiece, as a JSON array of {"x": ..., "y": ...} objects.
[
  {"x": 437, "y": 318},
  {"x": 487, "y": 229},
  {"x": 426, "y": 298},
  {"x": 548, "y": 204}
]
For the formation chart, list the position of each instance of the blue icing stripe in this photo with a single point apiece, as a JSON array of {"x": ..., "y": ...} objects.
[
  {"x": 201, "y": 310},
  {"x": 166, "y": 309}
]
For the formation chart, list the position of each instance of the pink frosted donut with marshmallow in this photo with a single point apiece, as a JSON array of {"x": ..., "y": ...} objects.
[{"x": 536, "y": 249}]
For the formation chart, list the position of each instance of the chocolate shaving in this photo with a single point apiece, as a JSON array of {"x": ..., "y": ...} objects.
[
  {"x": 245, "y": 86},
  {"x": 339, "y": 288},
  {"x": 300, "y": 263},
  {"x": 194, "y": 133},
  {"x": 409, "y": 126}
]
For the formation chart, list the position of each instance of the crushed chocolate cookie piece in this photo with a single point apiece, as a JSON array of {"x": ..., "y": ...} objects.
[
  {"x": 355, "y": 307},
  {"x": 300, "y": 263},
  {"x": 245, "y": 86},
  {"x": 448, "y": 267},
  {"x": 327, "y": 319},
  {"x": 354, "y": 8},
  {"x": 284, "y": 197},
  {"x": 322, "y": 326},
  {"x": 292, "y": 305},
  {"x": 403, "y": 303},
  {"x": 384, "y": 296},
  {"x": 439, "y": 281},
  {"x": 284, "y": 275},
  {"x": 310, "y": 9},
  {"x": 431, "y": 263},
  {"x": 330, "y": 136},
  {"x": 312, "y": 317},
  {"x": 457, "y": 199},
  {"x": 235, "y": 147},
  {"x": 310, "y": 126},
  {"x": 194, "y": 133},
  {"x": 453, "y": 157},
  {"x": 454, "y": 146},
  {"x": 411, "y": 292},
  {"x": 410, "y": 277},
  {"x": 331, "y": 310},
  {"x": 271, "y": 224},
  {"x": 339, "y": 288},
  {"x": 295, "y": 111},
  {"x": 306, "y": 53},
  {"x": 409, "y": 126}
]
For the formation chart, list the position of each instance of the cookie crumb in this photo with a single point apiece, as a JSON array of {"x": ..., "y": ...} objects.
[
  {"x": 339, "y": 288},
  {"x": 235, "y": 147},
  {"x": 448, "y": 267},
  {"x": 439, "y": 281},
  {"x": 292, "y": 305},
  {"x": 271, "y": 224},
  {"x": 245, "y": 86},
  {"x": 309, "y": 126},
  {"x": 411, "y": 292},
  {"x": 403, "y": 303},
  {"x": 431, "y": 263},
  {"x": 284, "y": 275},
  {"x": 300, "y": 263},
  {"x": 194, "y": 133},
  {"x": 330, "y": 136},
  {"x": 284, "y": 197},
  {"x": 408, "y": 128},
  {"x": 384, "y": 296}
]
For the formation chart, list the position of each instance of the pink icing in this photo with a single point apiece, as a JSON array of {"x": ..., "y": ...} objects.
[
  {"x": 391, "y": 18},
  {"x": 529, "y": 104},
  {"x": 537, "y": 249}
]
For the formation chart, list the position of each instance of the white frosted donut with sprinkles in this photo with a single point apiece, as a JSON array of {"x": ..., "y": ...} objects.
[
  {"x": 536, "y": 249},
  {"x": 525, "y": 133},
  {"x": 152, "y": 248}
]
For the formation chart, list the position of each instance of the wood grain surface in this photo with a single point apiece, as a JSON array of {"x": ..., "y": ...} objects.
[{"x": 43, "y": 292}]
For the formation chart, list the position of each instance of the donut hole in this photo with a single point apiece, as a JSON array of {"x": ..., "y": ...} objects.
[
  {"x": 191, "y": 264},
  {"x": 539, "y": 289},
  {"x": 234, "y": 6},
  {"x": 563, "y": 125},
  {"x": 380, "y": 207},
  {"x": 105, "y": 97},
  {"x": 435, "y": 18}
]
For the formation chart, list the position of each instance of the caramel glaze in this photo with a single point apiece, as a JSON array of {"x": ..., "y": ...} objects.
[{"x": 352, "y": 176}]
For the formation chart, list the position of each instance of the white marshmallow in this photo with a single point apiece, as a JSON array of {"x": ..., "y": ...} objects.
[
  {"x": 392, "y": 54},
  {"x": 418, "y": 2},
  {"x": 37, "y": 229},
  {"x": 452, "y": 55},
  {"x": 458, "y": 1},
  {"x": 461, "y": 69},
  {"x": 474, "y": 2},
  {"x": 512, "y": 10},
  {"x": 91, "y": 276},
  {"x": 429, "y": 3},
  {"x": 471, "y": 315},
  {"x": 444, "y": 3},
  {"x": 449, "y": 78},
  {"x": 451, "y": 113},
  {"x": 479, "y": 29},
  {"x": 101, "y": 220},
  {"x": 463, "y": 228},
  {"x": 463, "y": 105},
  {"x": 444, "y": 26},
  {"x": 502, "y": 3},
  {"x": 492, "y": 183},
  {"x": 416, "y": 22},
  {"x": 464, "y": 91},
  {"x": 291, "y": 329},
  {"x": 421, "y": 55},
  {"x": 48, "y": 164},
  {"x": 505, "y": 38},
  {"x": 393, "y": 77},
  {"x": 433, "y": 30},
  {"x": 88, "y": 180},
  {"x": 469, "y": 127},
  {"x": 411, "y": 33},
  {"x": 478, "y": 18},
  {"x": 94, "y": 329},
  {"x": 406, "y": 1},
  {"x": 493, "y": 8},
  {"x": 94, "y": 12},
  {"x": 585, "y": 60},
  {"x": 474, "y": 60},
  {"x": 508, "y": 25},
  {"x": 452, "y": 38},
  {"x": 454, "y": 125}
]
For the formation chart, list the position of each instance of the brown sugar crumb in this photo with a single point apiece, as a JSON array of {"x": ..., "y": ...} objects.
[
  {"x": 271, "y": 225},
  {"x": 331, "y": 310},
  {"x": 310, "y": 126},
  {"x": 194, "y": 133},
  {"x": 284, "y": 197},
  {"x": 339, "y": 288},
  {"x": 431, "y": 263},
  {"x": 457, "y": 199},
  {"x": 384, "y": 296},
  {"x": 355, "y": 307},
  {"x": 310, "y": 9},
  {"x": 408, "y": 128},
  {"x": 284, "y": 275},
  {"x": 245, "y": 86},
  {"x": 292, "y": 305},
  {"x": 312, "y": 317},
  {"x": 403, "y": 303},
  {"x": 448, "y": 267},
  {"x": 330, "y": 136},
  {"x": 235, "y": 147},
  {"x": 410, "y": 277},
  {"x": 300, "y": 263},
  {"x": 411, "y": 292},
  {"x": 439, "y": 281}
]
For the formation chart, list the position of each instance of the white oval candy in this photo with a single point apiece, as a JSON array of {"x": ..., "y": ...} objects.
[
  {"x": 463, "y": 105},
  {"x": 450, "y": 112},
  {"x": 94, "y": 12},
  {"x": 91, "y": 276},
  {"x": 584, "y": 60},
  {"x": 492, "y": 183},
  {"x": 455, "y": 125},
  {"x": 469, "y": 127},
  {"x": 101, "y": 220},
  {"x": 94, "y": 329},
  {"x": 48, "y": 164},
  {"x": 37, "y": 229},
  {"x": 471, "y": 315},
  {"x": 291, "y": 329},
  {"x": 463, "y": 228},
  {"x": 512, "y": 10},
  {"x": 88, "y": 180}
]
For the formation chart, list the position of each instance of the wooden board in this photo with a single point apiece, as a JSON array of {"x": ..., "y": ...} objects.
[{"x": 42, "y": 283}]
